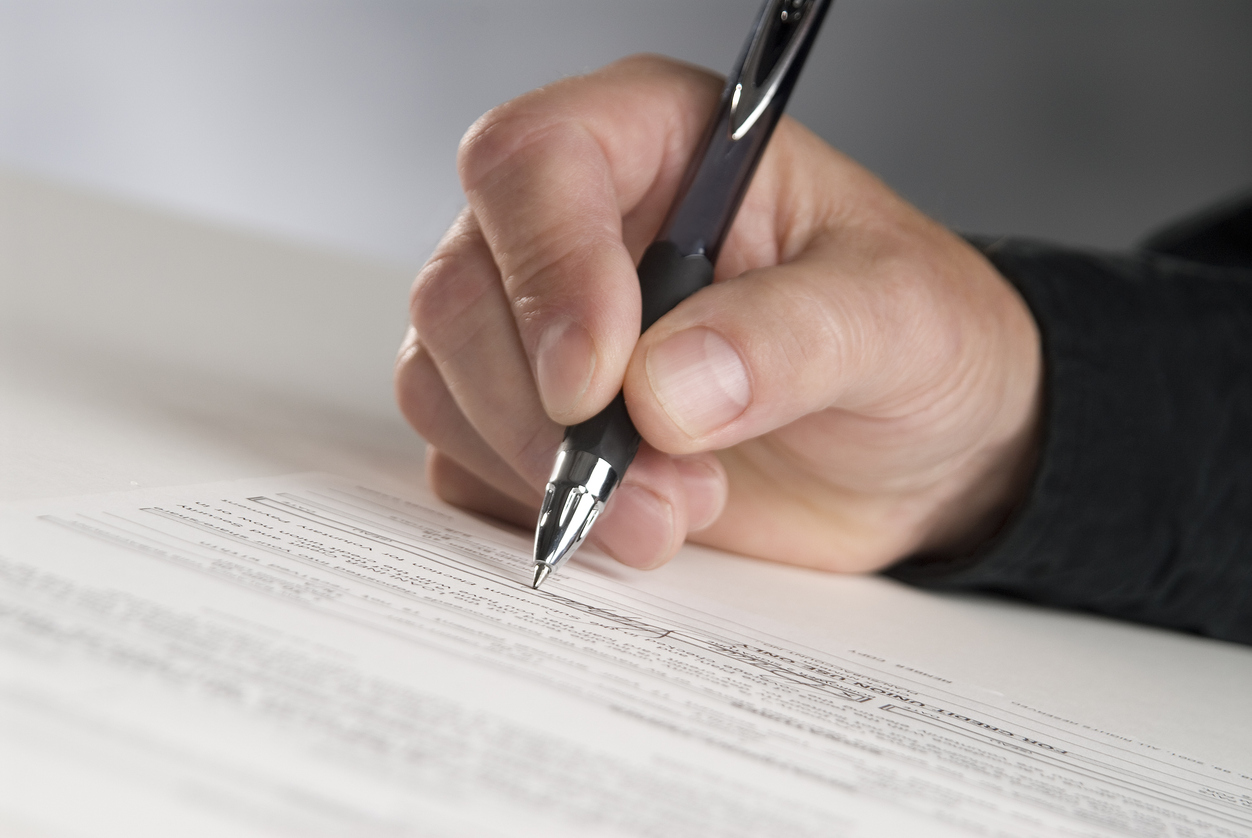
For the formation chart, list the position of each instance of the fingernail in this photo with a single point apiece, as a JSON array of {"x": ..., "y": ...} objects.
[
  {"x": 565, "y": 360},
  {"x": 704, "y": 481},
  {"x": 699, "y": 379},
  {"x": 638, "y": 529}
]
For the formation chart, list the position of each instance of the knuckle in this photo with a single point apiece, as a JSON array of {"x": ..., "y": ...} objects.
[
  {"x": 420, "y": 394},
  {"x": 534, "y": 274},
  {"x": 811, "y": 337},
  {"x": 444, "y": 291},
  {"x": 497, "y": 136},
  {"x": 649, "y": 61},
  {"x": 655, "y": 65},
  {"x": 556, "y": 275}
]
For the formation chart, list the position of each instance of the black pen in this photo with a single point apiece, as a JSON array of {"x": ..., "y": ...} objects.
[{"x": 594, "y": 454}]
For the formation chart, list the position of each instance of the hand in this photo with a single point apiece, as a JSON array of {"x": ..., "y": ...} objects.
[{"x": 858, "y": 385}]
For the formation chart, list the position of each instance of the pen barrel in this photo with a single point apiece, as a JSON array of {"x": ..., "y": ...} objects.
[{"x": 725, "y": 160}]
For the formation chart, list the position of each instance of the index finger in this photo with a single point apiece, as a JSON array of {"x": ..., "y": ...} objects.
[{"x": 568, "y": 184}]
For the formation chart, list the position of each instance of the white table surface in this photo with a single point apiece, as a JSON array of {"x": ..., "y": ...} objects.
[{"x": 142, "y": 349}]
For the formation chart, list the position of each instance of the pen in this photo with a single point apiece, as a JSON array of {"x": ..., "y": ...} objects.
[{"x": 595, "y": 453}]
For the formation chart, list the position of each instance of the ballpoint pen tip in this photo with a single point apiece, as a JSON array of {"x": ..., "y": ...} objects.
[{"x": 541, "y": 573}]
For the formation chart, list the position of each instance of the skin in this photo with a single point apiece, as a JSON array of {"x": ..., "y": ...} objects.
[{"x": 858, "y": 385}]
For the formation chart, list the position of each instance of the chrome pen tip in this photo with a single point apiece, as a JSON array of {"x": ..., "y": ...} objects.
[
  {"x": 541, "y": 573},
  {"x": 568, "y": 512},
  {"x": 580, "y": 486}
]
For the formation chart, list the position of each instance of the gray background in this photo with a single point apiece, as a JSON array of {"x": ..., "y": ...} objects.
[{"x": 1087, "y": 121}]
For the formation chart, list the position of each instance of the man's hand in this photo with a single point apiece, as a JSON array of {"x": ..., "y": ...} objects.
[{"x": 858, "y": 385}]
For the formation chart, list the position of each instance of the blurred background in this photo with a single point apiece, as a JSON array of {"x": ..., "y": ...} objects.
[{"x": 335, "y": 122}]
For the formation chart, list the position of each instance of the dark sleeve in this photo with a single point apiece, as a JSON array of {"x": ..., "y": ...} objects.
[{"x": 1141, "y": 505}]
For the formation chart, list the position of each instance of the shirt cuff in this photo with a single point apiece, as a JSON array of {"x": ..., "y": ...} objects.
[{"x": 1141, "y": 504}]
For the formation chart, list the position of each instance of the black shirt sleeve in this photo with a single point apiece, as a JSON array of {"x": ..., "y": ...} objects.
[{"x": 1141, "y": 505}]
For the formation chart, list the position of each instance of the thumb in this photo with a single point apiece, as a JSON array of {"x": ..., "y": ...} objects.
[{"x": 884, "y": 333}]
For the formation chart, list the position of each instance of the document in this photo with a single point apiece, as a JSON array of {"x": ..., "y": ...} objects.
[{"x": 308, "y": 656}]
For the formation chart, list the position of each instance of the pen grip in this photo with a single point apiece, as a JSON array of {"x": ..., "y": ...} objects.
[
  {"x": 666, "y": 278},
  {"x": 609, "y": 435}
]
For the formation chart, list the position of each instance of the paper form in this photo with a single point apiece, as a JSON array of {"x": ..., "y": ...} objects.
[{"x": 309, "y": 656}]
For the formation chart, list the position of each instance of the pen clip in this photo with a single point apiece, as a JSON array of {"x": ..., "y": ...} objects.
[{"x": 780, "y": 33}]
